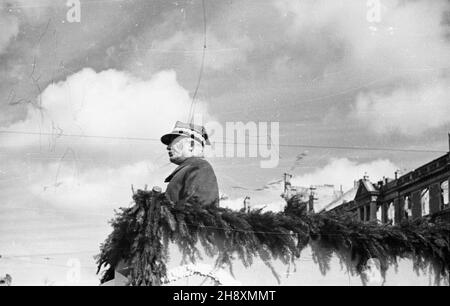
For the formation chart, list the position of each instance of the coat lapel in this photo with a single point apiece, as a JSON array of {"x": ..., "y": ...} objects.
[{"x": 180, "y": 167}]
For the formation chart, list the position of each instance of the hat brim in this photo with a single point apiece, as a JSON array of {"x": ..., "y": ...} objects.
[{"x": 168, "y": 138}]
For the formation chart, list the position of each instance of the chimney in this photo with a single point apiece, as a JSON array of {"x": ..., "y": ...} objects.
[
  {"x": 311, "y": 204},
  {"x": 312, "y": 198},
  {"x": 247, "y": 204},
  {"x": 287, "y": 182},
  {"x": 366, "y": 177}
]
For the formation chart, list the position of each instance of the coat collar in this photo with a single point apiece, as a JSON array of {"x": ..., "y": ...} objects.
[{"x": 183, "y": 165}]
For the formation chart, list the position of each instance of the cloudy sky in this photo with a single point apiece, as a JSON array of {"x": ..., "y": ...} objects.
[{"x": 332, "y": 73}]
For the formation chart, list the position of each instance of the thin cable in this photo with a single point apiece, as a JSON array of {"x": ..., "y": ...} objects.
[
  {"x": 80, "y": 136},
  {"x": 48, "y": 254},
  {"x": 16, "y": 7},
  {"x": 188, "y": 224},
  {"x": 258, "y": 232},
  {"x": 68, "y": 253},
  {"x": 90, "y": 267},
  {"x": 192, "y": 108},
  {"x": 298, "y": 145}
]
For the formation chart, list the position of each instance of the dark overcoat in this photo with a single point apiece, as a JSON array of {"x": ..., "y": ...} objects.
[{"x": 193, "y": 181}]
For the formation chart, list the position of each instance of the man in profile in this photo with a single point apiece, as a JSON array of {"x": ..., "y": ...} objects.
[{"x": 193, "y": 181}]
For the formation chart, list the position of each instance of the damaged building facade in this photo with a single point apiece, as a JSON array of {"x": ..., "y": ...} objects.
[{"x": 419, "y": 193}]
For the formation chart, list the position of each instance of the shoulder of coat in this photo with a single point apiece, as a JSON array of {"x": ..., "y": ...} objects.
[{"x": 199, "y": 161}]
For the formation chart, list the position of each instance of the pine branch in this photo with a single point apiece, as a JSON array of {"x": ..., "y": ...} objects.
[{"x": 141, "y": 235}]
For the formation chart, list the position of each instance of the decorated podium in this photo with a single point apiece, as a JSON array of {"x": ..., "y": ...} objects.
[{"x": 137, "y": 251}]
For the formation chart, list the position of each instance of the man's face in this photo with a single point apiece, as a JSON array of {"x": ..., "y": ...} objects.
[{"x": 178, "y": 149}]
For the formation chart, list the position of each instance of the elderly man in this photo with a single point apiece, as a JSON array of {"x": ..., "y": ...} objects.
[{"x": 193, "y": 180}]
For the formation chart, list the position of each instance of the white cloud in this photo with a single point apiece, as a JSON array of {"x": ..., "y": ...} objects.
[
  {"x": 408, "y": 111},
  {"x": 235, "y": 204},
  {"x": 344, "y": 172},
  {"x": 66, "y": 186},
  {"x": 219, "y": 53},
  {"x": 410, "y": 35},
  {"x": 9, "y": 28},
  {"x": 108, "y": 103},
  {"x": 409, "y": 45},
  {"x": 36, "y": 11},
  {"x": 337, "y": 172},
  {"x": 329, "y": 179}
]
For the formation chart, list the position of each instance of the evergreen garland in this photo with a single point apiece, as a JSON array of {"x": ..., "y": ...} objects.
[{"x": 141, "y": 236}]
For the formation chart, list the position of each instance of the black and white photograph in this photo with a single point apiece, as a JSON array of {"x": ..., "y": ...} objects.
[{"x": 249, "y": 145}]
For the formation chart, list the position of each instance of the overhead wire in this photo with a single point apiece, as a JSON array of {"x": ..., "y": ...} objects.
[
  {"x": 292, "y": 145},
  {"x": 202, "y": 66}
]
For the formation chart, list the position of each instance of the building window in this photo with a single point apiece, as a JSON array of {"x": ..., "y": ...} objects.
[
  {"x": 361, "y": 213},
  {"x": 444, "y": 195},
  {"x": 367, "y": 209},
  {"x": 379, "y": 213},
  {"x": 425, "y": 202},
  {"x": 391, "y": 213},
  {"x": 407, "y": 208}
]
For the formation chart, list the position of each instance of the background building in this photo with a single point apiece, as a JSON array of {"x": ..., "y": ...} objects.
[{"x": 419, "y": 193}]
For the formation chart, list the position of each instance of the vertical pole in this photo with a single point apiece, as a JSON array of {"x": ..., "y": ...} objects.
[
  {"x": 311, "y": 203},
  {"x": 312, "y": 198},
  {"x": 287, "y": 181},
  {"x": 287, "y": 186}
]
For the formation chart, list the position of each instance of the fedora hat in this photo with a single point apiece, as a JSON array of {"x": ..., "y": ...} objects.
[{"x": 190, "y": 130}]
